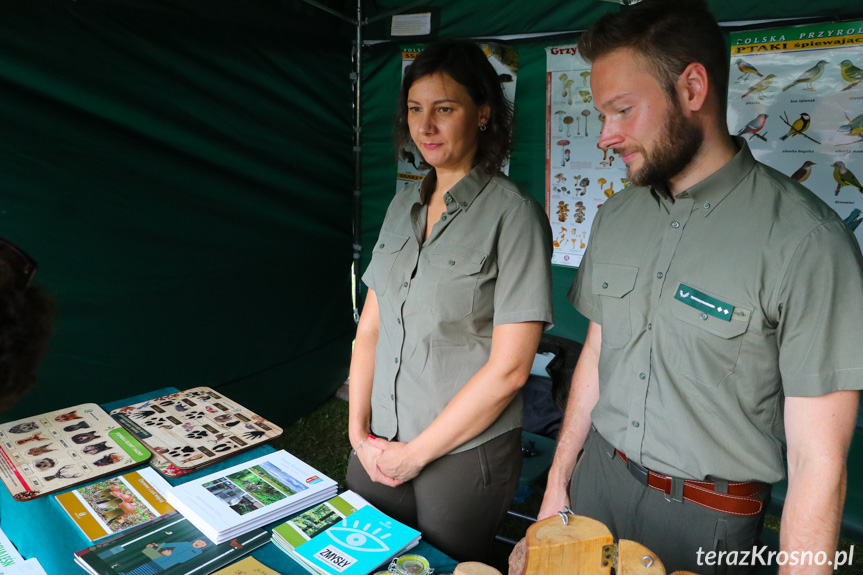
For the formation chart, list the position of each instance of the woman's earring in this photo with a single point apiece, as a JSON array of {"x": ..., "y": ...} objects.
[{"x": 482, "y": 127}]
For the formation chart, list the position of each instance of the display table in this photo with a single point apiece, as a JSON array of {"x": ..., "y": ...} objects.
[{"x": 40, "y": 528}]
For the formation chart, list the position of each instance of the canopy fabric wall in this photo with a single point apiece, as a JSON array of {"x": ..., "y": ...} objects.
[{"x": 182, "y": 173}]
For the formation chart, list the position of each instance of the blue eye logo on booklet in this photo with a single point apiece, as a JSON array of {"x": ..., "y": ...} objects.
[{"x": 359, "y": 543}]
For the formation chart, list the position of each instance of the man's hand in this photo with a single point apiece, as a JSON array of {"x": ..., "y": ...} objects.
[{"x": 554, "y": 500}]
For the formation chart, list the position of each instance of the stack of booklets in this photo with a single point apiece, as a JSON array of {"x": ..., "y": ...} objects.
[
  {"x": 169, "y": 545},
  {"x": 236, "y": 500},
  {"x": 343, "y": 536},
  {"x": 116, "y": 504}
]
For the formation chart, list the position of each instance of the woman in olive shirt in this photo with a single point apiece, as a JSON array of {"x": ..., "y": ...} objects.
[{"x": 459, "y": 293}]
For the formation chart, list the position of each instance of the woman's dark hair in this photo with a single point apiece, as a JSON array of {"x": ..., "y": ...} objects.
[
  {"x": 670, "y": 35},
  {"x": 465, "y": 63},
  {"x": 26, "y": 313}
]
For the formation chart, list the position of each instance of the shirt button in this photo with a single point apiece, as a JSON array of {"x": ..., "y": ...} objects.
[
  {"x": 452, "y": 262},
  {"x": 704, "y": 316},
  {"x": 397, "y": 360},
  {"x": 398, "y": 321},
  {"x": 642, "y": 376},
  {"x": 649, "y": 326},
  {"x": 635, "y": 424},
  {"x": 443, "y": 217},
  {"x": 659, "y": 275},
  {"x": 706, "y": 205},
  {"x": 604, "y": 285},
  {"x": 392, "y": 396},
  {"x": 447, "y": 199},
  {"x": 675, "y": 224},
  {"x": 381, "y": 246},
  {"x": 464, "y": 204},
  {"x": 740, "y": 314},
  {"x": 405, "y": 284}
]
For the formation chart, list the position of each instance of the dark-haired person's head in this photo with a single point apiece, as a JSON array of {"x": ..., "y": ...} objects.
[
  {"x": 466, "y": 64},
  {"x": 669, "y": 35},
  {"x": 25, "y": 323}
]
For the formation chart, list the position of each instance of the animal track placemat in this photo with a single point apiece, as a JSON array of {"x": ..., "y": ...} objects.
[
  {"x": 52, "y": 451},
  {"x": 191, "y": 429}
]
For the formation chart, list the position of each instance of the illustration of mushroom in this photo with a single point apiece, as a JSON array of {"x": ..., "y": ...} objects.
[
  {"x": 564, "y": 79},
  {"x": 585, "y": 113},
  {"x": 584, "y": 75},
  {"x": 562, "y": 211},
  {"x": 559, "y": 178},
  {"x": 584, "y": 183},
  {"x": 610, "y": 191},
  {"x": 563, "y": 143},
  {"x": 567, "y": 91},
  {"x": 601, "y": 182},
  {"x": 566, "y": 155},
  {"x": 568, "y": 120},
  {"x": 585, "y": 96},
  {"x": 560, "y": 114}
]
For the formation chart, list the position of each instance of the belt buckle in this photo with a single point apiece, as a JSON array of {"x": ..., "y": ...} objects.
[{"x": 637, "y": 471}]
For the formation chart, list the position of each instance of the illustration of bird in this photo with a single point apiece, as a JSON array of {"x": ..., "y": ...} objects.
[
  {"x": 853, "y": 128},
  {"x": 747, "y": 69},
  {"x": 803, "y": 172},
  {"x": 851, "y": 74},
  {"x": 809, "y": 76},
  {"x": 753, "y": 127},
  {"x": 844, "y": 177},
  {"x": 760, "y": 86},
  {"x": 853, "y": 220},
  {"x": 799, "y": 126}
]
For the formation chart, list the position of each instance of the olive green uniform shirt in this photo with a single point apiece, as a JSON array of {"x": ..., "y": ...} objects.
[
  {"x": 714, "y": 306},
  {"x": 487, "y": 262}
]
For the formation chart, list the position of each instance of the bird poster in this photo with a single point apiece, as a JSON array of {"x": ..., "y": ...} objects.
[
  {"x": 504, "y": 59},
  {"x": 796, "y": 95},
  {"x": 194, "y": 428},
  {"x": 579, "y": 176},
  {"x": 52, "y": 451}
]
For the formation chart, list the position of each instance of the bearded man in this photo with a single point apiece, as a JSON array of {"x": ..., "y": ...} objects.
[{"x": 725, "y": 308}]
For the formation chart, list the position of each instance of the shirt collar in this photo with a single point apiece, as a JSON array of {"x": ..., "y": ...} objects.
[
  {"x": 710, "y": 191},
  {"x": 463, "y": 193}
]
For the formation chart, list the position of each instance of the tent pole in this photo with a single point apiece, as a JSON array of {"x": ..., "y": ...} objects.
[{"x": 356, "y": 76}]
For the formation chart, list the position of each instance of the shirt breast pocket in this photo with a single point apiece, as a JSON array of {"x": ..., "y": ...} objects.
[
  {"x": 457, "y": 271},
  {"x": 613, "y": 283},
  {"x": 707, "y": 347},
  {"x": 384, "y": 255}
]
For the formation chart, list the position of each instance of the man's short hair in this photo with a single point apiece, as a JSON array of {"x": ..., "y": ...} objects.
[{"x": 670, "y": 35}]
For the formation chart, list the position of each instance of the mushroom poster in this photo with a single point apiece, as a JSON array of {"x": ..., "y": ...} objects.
[
  {"x": 504, "y": 59},
  {"x": 796, "y": 95},
  {"x": 579, "y": 176}
]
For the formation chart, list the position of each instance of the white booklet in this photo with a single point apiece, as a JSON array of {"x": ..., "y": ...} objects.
[
  {"x": 233, "y": 501},
  {"x": 9, "y": 556}
]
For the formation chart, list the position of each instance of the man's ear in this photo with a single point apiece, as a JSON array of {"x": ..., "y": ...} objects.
[{"x": 692, "y": 87}]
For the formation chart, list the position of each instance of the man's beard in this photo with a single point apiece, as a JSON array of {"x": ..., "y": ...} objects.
[{"x": 672, "y": 151}]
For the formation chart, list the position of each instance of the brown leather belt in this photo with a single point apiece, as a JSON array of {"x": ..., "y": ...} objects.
[{"x": 738, "y": 501}]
